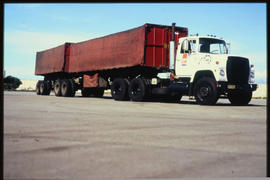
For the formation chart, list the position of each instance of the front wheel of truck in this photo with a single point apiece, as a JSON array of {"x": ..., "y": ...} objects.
[
  {"x": 239, "y": 98},
  {"x": 205, "y": 91}
]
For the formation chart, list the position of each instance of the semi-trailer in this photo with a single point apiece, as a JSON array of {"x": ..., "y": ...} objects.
[{"x": 145, "y": 61}]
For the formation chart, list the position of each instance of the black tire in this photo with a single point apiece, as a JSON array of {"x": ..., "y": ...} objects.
[
  {"x": 57, "y": 88},
  {"x": 137, "y": 89},
  {"x": 38, "y": 87},
  {"x": 205, "y": 91},
  {"x": 239, "y": 98},
  {"x": 119, "y": 89},
  {"x": 47, "y": 88},
  {"x": 42, "y": 88},
  {"x": 66, "y": 88},
  {"x": 73, "y": 88}
]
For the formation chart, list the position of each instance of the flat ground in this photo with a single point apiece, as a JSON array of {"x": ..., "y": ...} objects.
[{"x": 50, "y": 137}]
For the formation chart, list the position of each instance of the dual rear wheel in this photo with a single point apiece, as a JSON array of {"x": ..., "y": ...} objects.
[
  {"x": 64, "y": 87},
  {"x": 43, "y": 88},
  {"x": 123, "y": 89}
]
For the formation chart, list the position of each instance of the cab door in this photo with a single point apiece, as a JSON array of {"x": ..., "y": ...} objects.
[{"x": 186, "y": 58}]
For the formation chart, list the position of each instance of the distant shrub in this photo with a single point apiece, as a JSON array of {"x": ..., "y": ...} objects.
[{"x": 11, "y": 83}]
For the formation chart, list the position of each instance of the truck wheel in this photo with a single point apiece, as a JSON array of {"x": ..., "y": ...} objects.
[
  {"x": 240, "y": 98},
  {"x": 47, "y": 88},
  {"x": 66, "y": 88},
  {"x": 137, "y": 89},
  {"x": 42, "y": 88},
  {"x": 57, "y": 88},
  {"x": 38, "y": 87},
  {"x": 205, "y": 91},
  {"x": 73, "y": 87},
  {"x": 119, "y": 89}
]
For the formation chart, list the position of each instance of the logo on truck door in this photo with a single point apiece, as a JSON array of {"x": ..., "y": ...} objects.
[
  {"x": 184, "y": 59},
  {"x": 205, "y": 59}
]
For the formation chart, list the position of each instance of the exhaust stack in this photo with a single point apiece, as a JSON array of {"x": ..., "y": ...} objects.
[{"x": 172, "y": 49}]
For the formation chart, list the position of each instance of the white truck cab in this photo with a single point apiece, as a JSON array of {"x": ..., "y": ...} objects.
[
  {"x": 202, "y": 53},
  {"x": 204, "y": 66}
]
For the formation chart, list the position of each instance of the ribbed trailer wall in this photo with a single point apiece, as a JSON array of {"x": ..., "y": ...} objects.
[
  {"x": 118, "y": 50},
  {"x": 147, "y": 45},
  {"x": 51, "y": 60},
  {"x": 157, "y": 48}
]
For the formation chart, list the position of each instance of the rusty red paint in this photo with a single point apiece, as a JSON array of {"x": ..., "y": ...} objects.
[
  {"x": 124, "y": 49},
  {"x": 147, "y": 45},
  {"x": 50, "y": 61},
  {"x": 67, "y": 55}
]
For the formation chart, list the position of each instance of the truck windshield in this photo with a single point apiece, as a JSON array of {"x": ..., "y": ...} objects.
[{"x": 214, "y": 46}]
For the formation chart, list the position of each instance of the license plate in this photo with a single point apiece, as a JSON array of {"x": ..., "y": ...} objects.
[{"x": 231, "y": 86}]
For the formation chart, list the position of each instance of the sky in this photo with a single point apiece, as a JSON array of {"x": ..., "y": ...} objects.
[{"x": 33, "y": 27}]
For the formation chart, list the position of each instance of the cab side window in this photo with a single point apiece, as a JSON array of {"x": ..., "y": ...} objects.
[{"x": 191, "y": 47}]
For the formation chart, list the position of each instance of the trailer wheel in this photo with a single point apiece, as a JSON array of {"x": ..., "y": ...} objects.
[
  {"x": 47, "y": 88},
  {"x": 66, "y": 89},
  {"x": 38, "y": 87},
  {"x": 57, "y": 88},
  {"x": 119, "y": 89},
  {"x": 205, "y": 91},
  {"x": 137, "y": 89},
  {"x": 73, "y": 87},
  {"x": 42, "y": 88},
  {"x": 239, "y": 98}
]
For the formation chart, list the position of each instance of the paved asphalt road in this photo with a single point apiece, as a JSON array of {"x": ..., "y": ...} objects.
[{"x": 50, "y": 137}]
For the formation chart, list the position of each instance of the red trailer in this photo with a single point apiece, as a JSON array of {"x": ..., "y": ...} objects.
[
  {"x": 95, "y": 65},
  {"x": 146, "y": 45},
  {"x": 52, "y": 60}
]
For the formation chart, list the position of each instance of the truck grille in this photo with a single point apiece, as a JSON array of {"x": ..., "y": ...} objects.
[{"x": 237, "y": 70}]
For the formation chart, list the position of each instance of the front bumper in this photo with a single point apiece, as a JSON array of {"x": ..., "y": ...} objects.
[{"x": 229, "y": 87}]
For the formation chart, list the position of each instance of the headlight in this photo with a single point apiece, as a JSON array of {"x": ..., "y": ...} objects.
[{"x": 252, "y": 74}]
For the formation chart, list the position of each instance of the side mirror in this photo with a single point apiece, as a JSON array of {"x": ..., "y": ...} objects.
[
  {"x": 185, "y": 45},
  {"x": 228, "y": 47}
]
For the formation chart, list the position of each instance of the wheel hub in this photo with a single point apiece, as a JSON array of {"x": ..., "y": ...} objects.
[{"x": 204, "y": 91}]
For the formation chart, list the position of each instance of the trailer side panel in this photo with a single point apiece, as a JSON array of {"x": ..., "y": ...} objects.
[
  {"x": 124, "y": 49},
  {"x": 50, "y": 61},
  {"x": 157, "y": 45}
]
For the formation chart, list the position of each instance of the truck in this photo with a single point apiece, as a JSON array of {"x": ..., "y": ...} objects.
[{"x": 146, "y": 62}]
